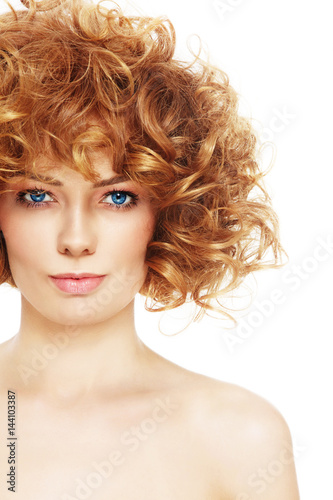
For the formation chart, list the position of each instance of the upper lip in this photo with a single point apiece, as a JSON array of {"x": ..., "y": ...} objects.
[{"x": 76, "y": 275}]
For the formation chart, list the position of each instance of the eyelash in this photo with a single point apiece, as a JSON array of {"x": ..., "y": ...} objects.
[{"x": 36, "y": 191}]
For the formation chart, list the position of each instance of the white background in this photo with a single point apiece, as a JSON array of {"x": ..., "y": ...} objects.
[{"x": 278, "y": 57}]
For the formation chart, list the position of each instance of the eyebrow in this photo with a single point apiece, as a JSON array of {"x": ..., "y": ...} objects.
[{"x": 104, "y": 182}]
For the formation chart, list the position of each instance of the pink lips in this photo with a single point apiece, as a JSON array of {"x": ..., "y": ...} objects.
[{"x": 77, "y": 283}]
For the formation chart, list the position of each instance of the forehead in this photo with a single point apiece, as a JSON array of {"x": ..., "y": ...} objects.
[
  {"x": 50, "y": 169},
  {"x": 99, "y": 159}
]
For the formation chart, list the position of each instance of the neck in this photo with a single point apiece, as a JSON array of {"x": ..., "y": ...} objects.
[{"x": 71, "y": 361}]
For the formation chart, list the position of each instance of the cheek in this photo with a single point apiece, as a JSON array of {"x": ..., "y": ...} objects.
[
  {"x": 131, "y": 241},
  {"x": 24, "y": 242}
]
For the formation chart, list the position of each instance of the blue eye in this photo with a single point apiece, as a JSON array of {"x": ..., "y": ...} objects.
[
  {"x": 119, "y": 197},
  {"x": 37, "y": 198},
  {"x": 34, "y": 198}
]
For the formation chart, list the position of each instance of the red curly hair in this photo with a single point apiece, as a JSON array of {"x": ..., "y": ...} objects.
[{"x": 83, "y": 77}]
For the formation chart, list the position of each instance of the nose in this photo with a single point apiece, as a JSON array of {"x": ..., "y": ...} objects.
[{"x": 76, "y": 236}]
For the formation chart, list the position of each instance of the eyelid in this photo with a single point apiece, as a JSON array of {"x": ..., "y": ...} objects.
[
  {"x": 126, "y": 191},
  {"x": 36, "y": 190}
]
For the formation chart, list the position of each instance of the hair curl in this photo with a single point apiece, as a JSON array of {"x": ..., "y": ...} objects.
[{"x": 171, "y": 126}]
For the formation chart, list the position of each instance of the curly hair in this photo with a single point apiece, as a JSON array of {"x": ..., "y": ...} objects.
[{"x": 82, "y": 77}]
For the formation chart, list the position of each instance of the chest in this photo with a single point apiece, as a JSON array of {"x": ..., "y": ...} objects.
[{"x": 101, "y": 454}]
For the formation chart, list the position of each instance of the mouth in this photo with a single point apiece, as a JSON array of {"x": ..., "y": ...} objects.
[{"x": 77, "y": 283}]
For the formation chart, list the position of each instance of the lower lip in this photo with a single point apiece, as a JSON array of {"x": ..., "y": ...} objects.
[{"x": 79, "y": 286}]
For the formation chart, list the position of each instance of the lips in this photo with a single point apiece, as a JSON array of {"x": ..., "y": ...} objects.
[
  {"x": 77, "y": 283},
  {"x": 76, "y": 275}
]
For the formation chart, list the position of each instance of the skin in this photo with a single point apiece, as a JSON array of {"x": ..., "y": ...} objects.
[{"x": 100, "y": 415}]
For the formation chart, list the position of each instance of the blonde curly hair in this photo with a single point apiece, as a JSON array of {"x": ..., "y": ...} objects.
[{"x": 84, "y": 77}]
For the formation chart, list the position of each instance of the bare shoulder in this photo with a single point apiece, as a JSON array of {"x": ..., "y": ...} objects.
[
  {"x": 245, "y": 439},
  {"x": 245, "y": 416},
  {"x": 241, "y": 409},
  {"x": 214, "y": 400},
  {"x": 229, "y": 406}
]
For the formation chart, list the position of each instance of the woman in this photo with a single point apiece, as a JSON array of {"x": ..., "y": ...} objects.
[{"x": 124, "y": 171}]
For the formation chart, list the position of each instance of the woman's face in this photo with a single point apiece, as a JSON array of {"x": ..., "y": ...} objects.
[{"x": 77, "y": 228}]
